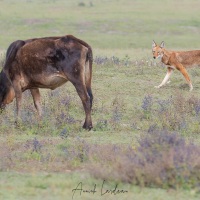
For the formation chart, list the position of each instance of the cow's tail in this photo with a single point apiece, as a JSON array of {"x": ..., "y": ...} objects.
[
  {"x": 6, "y": 88},
  {"x": 89, "y": 63}
]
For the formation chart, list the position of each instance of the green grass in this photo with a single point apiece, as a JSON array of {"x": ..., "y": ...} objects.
[
  {"x": 59, "y": 186},
  {"x": 106, "y": 24},
  {"x": 123, "y": 29}
]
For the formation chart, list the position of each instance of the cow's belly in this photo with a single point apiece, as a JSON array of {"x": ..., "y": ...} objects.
[
  {"x": 45, "y": 80},
  {"x": 52, "y": 82}
]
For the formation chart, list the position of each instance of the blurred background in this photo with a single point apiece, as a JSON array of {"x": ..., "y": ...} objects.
[{"x": 110, "y": 24}]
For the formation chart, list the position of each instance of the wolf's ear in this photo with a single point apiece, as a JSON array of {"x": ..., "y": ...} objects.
[
  {"x": 162, "y": 45},
  {"x": 154, "y": 44}
]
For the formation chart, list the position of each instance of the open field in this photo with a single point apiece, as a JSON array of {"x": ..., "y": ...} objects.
[
  {"x": 106, "y": 24},
  {"x": 50, "y": 157}
]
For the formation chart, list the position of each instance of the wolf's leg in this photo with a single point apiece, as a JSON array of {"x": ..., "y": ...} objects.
[{"x": 167, "y": 76}]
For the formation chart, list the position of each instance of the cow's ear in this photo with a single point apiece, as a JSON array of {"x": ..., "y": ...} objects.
[
  {"x": 153, "y": 44},
  {"x": 162, "y": 45}
]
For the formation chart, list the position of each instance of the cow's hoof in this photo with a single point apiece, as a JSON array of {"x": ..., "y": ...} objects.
[{"x": 87, "y": 127}]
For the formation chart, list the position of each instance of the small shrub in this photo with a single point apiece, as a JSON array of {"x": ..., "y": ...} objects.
[
  {"x": 64, "y": 133},
  {"x": 77, "y": 153},
  {"x": 174, "y": 114},
  {"x": 117, "y": 111},
  {"x": 33, "y": 145},
  {"x": 81, "y": 4},
  {"x": 113, "y": 60},
  {"x": 162, "y": 159},
  {"x": 100, "y": 60},
  {"x": 126, "y": 60},
  {"x": 194, "y": 103},
  {"x": 146, "y": 106},
  {"x": 102, "y": 125}
]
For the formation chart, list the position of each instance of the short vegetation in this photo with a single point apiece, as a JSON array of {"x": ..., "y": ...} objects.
[{"x": 159, "y": 150}]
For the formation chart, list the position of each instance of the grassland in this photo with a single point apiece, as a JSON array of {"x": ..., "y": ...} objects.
[{"x": 44, "y": 159}]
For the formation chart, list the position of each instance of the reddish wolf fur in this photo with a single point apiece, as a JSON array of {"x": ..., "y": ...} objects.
[{"x": 179, "y": 60}]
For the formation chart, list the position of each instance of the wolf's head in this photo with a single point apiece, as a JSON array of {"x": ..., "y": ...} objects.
[{"x": 157, "y": 50}]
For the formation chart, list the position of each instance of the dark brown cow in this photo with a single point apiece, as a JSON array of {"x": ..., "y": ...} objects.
[{"x": 47, "y": 63}]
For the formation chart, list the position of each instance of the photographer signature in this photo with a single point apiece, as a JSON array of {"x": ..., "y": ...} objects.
[{"x": 103, "y": 191}]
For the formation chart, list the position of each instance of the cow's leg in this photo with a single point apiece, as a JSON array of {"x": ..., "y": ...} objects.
[
  {"x": 36, "y": 99},
  {"x": 85, "y": 98},
  {"x": 18, "y": 96}
]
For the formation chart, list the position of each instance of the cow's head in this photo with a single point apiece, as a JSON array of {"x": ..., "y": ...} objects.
[
  {"x": 157, "y": 50},
  {"x": 7, "y": 93}
]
